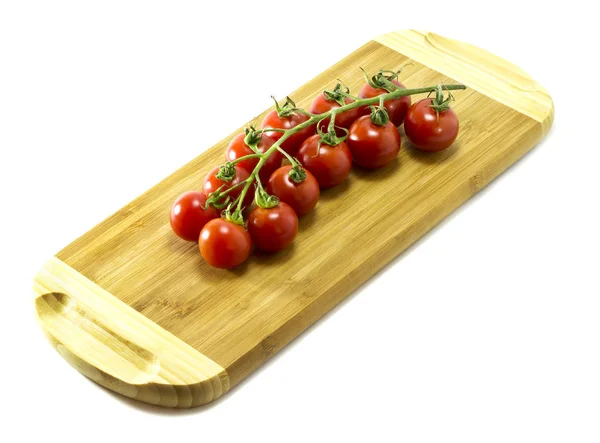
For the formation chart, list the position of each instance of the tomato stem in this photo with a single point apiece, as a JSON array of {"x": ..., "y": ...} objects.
[
  {"x": 245, "y": 157},
  {"x": 216, "y": 198},
  {"x": 289, "y": 107}
]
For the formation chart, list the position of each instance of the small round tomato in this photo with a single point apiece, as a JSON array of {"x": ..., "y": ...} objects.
[
  {"x": 302, "y": 197},
  {"x": 344, "y": 119},
  {"x": 224, "y": 244},
  {"x": 396, "y": 108},
  {"x": 212, "y": 183},
  {"x": 429, "y": 130},
  {"x": 189, "y": 214},
  {"x": 371, "y": 145},
  {"x": 238, "y": 148},
  {"x": 273, "y": 229},
  {"x": 291, "y": 145},
  {"x": 330, "y": 165}
]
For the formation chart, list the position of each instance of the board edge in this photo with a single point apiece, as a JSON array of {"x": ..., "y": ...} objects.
[{"x": 118, "y": 347}]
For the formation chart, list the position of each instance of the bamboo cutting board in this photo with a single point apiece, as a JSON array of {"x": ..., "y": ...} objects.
[{"x": 136, "y": 309}]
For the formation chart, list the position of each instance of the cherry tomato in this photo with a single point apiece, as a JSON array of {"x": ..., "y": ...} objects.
[
  {"x": 430, "y": 131},
  {"x": 343, "y": 120},
  {"x": 189, "y": 215},
  {"x": 238, "y": 148},
  {"x": 330, "y": 165},
  {"x": 224, "y": 244},
  {"x": 396, "y": 108},
  {"x": 291, "y": 145},
  {"x": 273, "y": 229},
  {"x": 302, "y": 197},
  {"x": 212, "y": 183},
  {"x": 373, "y": 146}
]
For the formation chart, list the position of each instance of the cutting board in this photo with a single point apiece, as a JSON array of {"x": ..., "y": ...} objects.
[{"x": 137, "y": 310}]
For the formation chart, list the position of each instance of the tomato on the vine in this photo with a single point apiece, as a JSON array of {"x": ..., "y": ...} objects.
[
  {"x": 224, "y": 244},
  {"x": 302, "y": 196},
  {"x": 189, "y": 214},
  {"x": 373, "y": 145},
  {"x": 430, "y": 130},
  {"x": 212, "y": 183},
  {"x": 327, "y": 101},
  {"x": 286, "y": 117},
  {"x": 396, "y": 107},
  {"x": 238, "y": 148},
  {"x": 330, "y": 165},
  {"x": 273, "y": 229}
]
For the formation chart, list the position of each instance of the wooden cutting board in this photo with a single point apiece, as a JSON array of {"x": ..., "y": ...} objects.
[{"x": 137, "y": 310}]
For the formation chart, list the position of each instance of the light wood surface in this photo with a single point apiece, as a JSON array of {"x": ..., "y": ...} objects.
[{"x": 138, "y": 291}]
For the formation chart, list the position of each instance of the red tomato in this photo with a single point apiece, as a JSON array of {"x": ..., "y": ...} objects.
[
  {"x": 343, "y": 120},
  {"x": 396, "y": 108},
  {"x": 373, "y": 146},
  {"x": 430, "y": 131},
  {"x": 273, "y": 229},
  {"x": 188, "y": 215},
  {"x": 291, "y": 145},
  {"x": 330, "y": 165},
  {"x": 212, "y": 183},
  {"x": 224, "y": 244},
  {"x": 302, "y": 197},
  {"x": 238, "y": 148}
]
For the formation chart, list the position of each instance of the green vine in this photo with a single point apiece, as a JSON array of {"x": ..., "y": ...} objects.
[{"x": 383, "y": 79}]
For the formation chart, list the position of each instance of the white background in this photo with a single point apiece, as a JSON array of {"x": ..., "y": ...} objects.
[{"x": 488, "y": 330}]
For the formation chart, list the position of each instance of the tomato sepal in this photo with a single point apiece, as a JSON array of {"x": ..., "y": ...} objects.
[
  {"x": 297, "y": 173},
  {"x": 263, "y": 199},
  {"x": 226, "y": 172},
  {"x": 338, "y": 94},
  {"x": 236, "y": 216}
]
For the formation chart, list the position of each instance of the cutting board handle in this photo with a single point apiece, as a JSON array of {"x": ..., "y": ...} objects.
[
  {"x": 119, "y": 348},
  {"x": 478, "y": 69}
]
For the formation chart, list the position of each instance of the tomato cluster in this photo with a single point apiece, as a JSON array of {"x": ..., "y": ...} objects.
[{"x": 295, "y": 155}]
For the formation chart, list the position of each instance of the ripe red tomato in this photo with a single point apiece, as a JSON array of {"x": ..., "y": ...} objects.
[
  {"x": 344, "y": 119},
  {"x": 212, "y": 183},
  {"x": 273, "y": 229},
  {"x": 330, "y": 165},
  {"x": 430, "y": 131},
  {"x": 189, "y": 215},
  {"x": 238, "y": 148},
  {"x": 373, "y": 146},
  {"x": 224, "y": 244},
  {"x": 396, "y": 108},
  {"x": 291, "y": 145},
  {"x": 302, "y": 197}
]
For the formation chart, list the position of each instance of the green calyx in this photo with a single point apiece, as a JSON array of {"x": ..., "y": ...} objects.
[
  {"x": 439, "y": 103},
  {"x": 297, "y": 173},
  {"x": 252, "y": 138},
  {"x": 379, "y": 115},
  {"x": 383, "y": 79},
  {"x": 288, "y": 108},
  {"x": 226, "y": 172},
  {"x": 234, "y": 217},
  {"x": 338, "y": 94},
  {"x": 263, "y": 199},
  {"x": 330, "y": 137}
]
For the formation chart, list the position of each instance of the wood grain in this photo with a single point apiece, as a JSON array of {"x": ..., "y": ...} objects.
[{"x": 238, "y": 319}]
